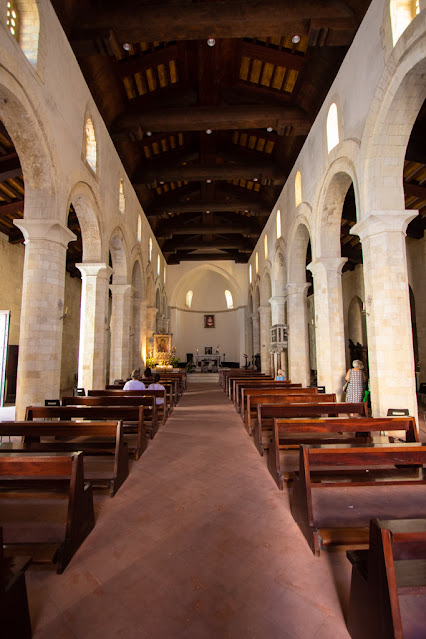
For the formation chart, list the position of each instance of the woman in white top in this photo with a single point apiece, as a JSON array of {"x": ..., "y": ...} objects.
[
  {"x": 157, "y": 386},
  {"x": 134, "y": 383}
]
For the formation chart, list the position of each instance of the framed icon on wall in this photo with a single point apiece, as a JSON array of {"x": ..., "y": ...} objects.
[
  {"x": 208, "y": 321},
  {"x": 208, "y": 350}
]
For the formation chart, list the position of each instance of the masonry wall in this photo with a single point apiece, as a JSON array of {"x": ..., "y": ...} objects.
[
  {"x": 71, "y": 333},
  {"x": 11, "y": 268}
]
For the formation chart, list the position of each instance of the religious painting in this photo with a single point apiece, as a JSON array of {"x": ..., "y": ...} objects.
[
  {"x": 162, "y": 344},
  {"x": 208, "y": 321},
  {"x": 208, "y": 350}
]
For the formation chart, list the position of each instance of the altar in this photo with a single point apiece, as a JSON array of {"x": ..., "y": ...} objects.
[{"x": 210, "y": 360}]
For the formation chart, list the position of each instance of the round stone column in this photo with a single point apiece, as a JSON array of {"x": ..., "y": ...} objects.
[
  {"x": 298, "y": 338},
  {"x": 387, "y": 308},
  {"x": 256, "y": 333},
  {"x": 265, "y": 338},
  {"x": 120, "y": 331},
  {"x": 42, "y": 311},
  {"x": 93, "y": 324},
  {"x": 329, "y": 326}
]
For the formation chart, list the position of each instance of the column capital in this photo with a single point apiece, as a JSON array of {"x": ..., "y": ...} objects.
[
  {"x": 152, "y": 310},
  {"x": 254, "y": 317},
  {"x": 120, "y": 289},
  {"x": 95, "y": 269},
  {"x": 292, "y": 288},
  {"x": 383, "y": 222},
  {"x": 327, "y": 264},
  {"x": 277, "y": 299},
  {"x": 46, "y": 230}
]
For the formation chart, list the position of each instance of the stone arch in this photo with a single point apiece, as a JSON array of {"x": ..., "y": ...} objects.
[
  {"x": 150, "y": 289},
  {"x": 356, "y": 321},
  {"x": 183, "y": 283},
  {"x": 300, "y": 236},
  {"x": 338, "y": 179},
  {"x": 137, "y": 332},
  {"x": 396, "y": 104},
  {"x": 87, "y": 209},
  {"x": 279, "y": 269},
  {"x": 118, "y": 251},
  {"x": 265, "y": 287}
]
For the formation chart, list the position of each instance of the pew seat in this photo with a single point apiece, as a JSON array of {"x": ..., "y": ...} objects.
[{"x": 15, "y": 622}]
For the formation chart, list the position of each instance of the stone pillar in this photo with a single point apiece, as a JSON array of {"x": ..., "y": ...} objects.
[
  {"x": 329, "y": 327},
  {"x": 151, "y": 314},
  {"x": 42, "y": 311},
  {"x": 136, "y": 333},
  {"x": 93, "y": 325},
  {"x": 298, "y": 338},
  {"x": 277, "y": 303},
  {"x": 144, "y": 355},
  {"x": 242, "y": 314},
  {"x": 256, "y": 334},
  {"x": 265, "y": 338},
  {"x": 120, "y": 331},
  {"x": 387, "y": 307}
]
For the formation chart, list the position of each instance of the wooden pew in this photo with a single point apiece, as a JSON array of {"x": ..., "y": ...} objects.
[
  {"x": 386, "y": 579},
  {"x": 162, "y": 409},
  {"x": 261, "y": 384},
  {"x": 147, "y": 401},
  {"x": 256, "y": 419},
  {"x": 47, "y": 473},
  {"x": 289, "y": 434},
  {"x": 131, "y": 416},
  {"x": 246, "y": 375},
  {"x": 232, "y": 380},
  {"x": 109, "y": 443},
  {"x": 172, "y": 386},
  {"x": 223, "y": 375},
  {"x": 339, "y": 488},
  {"x": 15, "y": 622},
  {"x": 264, "y": 389}
]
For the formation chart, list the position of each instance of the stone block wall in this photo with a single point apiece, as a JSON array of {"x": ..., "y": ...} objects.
[{"x": 11, "y": 269}]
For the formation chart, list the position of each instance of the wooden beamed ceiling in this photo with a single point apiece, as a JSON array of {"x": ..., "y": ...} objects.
[{"x": 209, "y": 134}]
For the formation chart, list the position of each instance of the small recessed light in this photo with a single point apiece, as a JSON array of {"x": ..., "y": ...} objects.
[
  {"x": 246, "y": 211},
  {"x": 148, "y": 133},
  {"x": 209, "y": 131},
  {"x": 211, "y": 42},
  {"x": 254, "y": 180},
  {"x": 161, "y": 181},
  {"x": 127, "y": 46},
  {"x": 269, "y": 129},
  {"x": 295, "y": 39},
  {"x": 208, "y": 181}
]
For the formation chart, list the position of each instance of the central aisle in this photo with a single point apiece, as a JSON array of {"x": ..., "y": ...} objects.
[{"x": 198, "y": 543}]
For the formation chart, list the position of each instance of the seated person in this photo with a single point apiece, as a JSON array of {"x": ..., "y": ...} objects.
[
  {"x": 134, "y": 383},
  {"x": 280, "y": 376},
  {"x": 147, "y": 373},
  {"x": 157, "y": 386},
  {"x": 214, "y": 366},
  {"x": 204, "y": 366}
]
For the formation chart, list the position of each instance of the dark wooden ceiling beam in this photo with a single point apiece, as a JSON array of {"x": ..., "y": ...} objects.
[
  {"x": 140, "y": 64},
  {"x": 11, "y": 208},
  {"x": 169, "y": 230},
  {"x": 269, "y": 55},
  {"x": 205, "y": 205},
  {"x": 192, "y": 245},
  {"x": 415, "y": 190},
  {"x": 239, "y": 258},
  {"x": 10, "y": 166},
  {"x": 167, "y": 173},
  {"x": 138, "y": 22},
  {"x": 282, "y": 118}
]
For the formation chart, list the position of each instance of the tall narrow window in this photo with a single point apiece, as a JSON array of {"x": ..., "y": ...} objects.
[
  {"x": 402, "y": 13},
  {"x": 265, "y": 243},
  {"x": 12, "y": 19},
  {"x": 164, "y": 275},
  {"x": 229, "y": 300},
  {"x": 332, "y": 128},
  {"x": 150, "y": 250},
  {"x": 257, "y": 262},
  {"x": 158, "y": 265},
  {"x": 139, "y": 228},
  {"x": 250, "y": 274},
  {"x": 278, "y": 224},
  {"x": 298, "y": 189},
  {"x": 188, "y": 299},
  {"x": 121, "y": 198},
  {"x": 90, "y": 144}
]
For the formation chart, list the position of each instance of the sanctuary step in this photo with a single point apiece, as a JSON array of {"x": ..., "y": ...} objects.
[{"x": 196, "y": 378}]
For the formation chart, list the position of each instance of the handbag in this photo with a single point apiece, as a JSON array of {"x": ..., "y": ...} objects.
[{"x": 345, "y": 386}]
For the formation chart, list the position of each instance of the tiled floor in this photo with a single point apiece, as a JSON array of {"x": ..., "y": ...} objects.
[{"x": 198, "y": 543}]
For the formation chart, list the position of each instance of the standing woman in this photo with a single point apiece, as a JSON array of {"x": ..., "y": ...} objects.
[{"x": 356, "y": 382}]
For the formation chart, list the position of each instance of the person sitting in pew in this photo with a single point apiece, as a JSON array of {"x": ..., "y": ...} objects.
[
  {"x": 280, "y": 376},
  {"x": 157, "y": 386},
  {"x": 134, "y": 383}
]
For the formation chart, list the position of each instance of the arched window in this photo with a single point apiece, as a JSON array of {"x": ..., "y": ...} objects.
[
  {"x": 13, "y": 19},
  {"x": 158, "y": 265},
  {"x": 139, "y": 228},
  {"x": 257, "y": 261},
  {"x": 90, "y": 144},
  {"x": 278, "y": 224},
  {"x": 265, "y": 243},
  {"x": 188, "y": 299},
  {"x": 332, "y": 128},
  {"x": 229, "y": 300},
  {"x": 402, "y": 13},
  {"x": 121, "y": 198},
  {"x": 164, "y": 274},
  {"x": 298, "y": 189},
  {"x": 250, "y": 274},
  {"x": 150, "y": 250}
]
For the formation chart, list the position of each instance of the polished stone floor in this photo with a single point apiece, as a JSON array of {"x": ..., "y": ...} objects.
[{"x": 199, "y": 543}]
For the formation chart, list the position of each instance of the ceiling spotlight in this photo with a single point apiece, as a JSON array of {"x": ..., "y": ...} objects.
[
  {"x": 211, "y": 42},
  {"x": 209, "y": 131},
  {"x": 127, "y": 46},
  {"x": 254, "y": 180},
  {"x": 148, "y": 133},
  {"x": 207, "y": 211},
  {"x": 161, "y": 181},
  {"x": 270, "y": 129},
  {"x": 295, "y": 39},
  {"x": 208, "y": 181}
]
